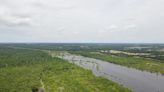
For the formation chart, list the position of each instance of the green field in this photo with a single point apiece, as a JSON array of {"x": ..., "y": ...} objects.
[
  {"x": 141, "y": 63},
  {"x": 22, "y": 70}
]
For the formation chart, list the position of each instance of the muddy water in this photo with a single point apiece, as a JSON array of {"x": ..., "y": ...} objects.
[{"x": 136, "y": 80}]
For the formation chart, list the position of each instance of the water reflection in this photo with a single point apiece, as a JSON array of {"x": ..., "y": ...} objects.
[{"x": 138, "y": 81}]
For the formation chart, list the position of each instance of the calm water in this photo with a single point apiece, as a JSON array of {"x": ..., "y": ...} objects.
[{"x": 136, "y": 80}]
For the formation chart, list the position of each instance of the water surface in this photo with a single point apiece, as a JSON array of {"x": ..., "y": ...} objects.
[{"x": 136, "y": 80}]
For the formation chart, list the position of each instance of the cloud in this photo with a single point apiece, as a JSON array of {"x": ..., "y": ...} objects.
[
  {"x": 130, "y": 26},
  {"x": 112, "y": 27},
  {"x": 52, "y": 5},
  {"x": 82, "y": 20},
  {"x": 116, "y": 28},
  {"x": 11, "y": 20},
  {"x": 10, "y": 17},
  {"x": 107, "y": 29}
]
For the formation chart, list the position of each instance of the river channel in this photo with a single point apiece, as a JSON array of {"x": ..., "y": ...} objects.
[{"x": 136, "y": 80}]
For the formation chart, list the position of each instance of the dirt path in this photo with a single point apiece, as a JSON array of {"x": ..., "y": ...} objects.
[{"x": 41, "y": 89}]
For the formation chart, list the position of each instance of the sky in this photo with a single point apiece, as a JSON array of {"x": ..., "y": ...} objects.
[{"x": 96, "y": 21}]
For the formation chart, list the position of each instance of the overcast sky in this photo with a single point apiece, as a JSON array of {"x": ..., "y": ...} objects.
[{"x": 110, "y": 21}]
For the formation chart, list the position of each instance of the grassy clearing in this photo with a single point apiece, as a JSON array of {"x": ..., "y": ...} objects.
[
  {"x": 135, "y": 62},
  {"x": 23, "y": 70}
]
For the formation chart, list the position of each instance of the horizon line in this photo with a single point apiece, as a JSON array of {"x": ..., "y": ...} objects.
[{"x": 79, "y": 43}]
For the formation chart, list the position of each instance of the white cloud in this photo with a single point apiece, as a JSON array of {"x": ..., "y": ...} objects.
[
  {"x": 10, "y": 15},
  {"x": 112, "y": 27},
  {"x": 10, "y": 20},
  {"x": 82, "y": 20},
  {"x": 130, "y": 26}
]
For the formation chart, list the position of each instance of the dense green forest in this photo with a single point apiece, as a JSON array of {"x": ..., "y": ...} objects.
[
  {"x": 23, "y": 70},
  {"x": 19, "y": 57}
]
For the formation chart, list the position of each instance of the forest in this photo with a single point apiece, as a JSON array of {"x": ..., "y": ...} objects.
[{"x": 25, "y": 70}]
